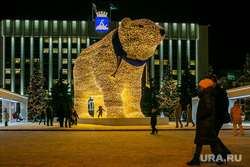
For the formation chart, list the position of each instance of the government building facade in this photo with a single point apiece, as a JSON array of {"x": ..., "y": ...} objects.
[{"x": 55, "y": 44}]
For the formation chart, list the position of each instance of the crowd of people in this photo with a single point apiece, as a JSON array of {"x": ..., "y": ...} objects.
[
  {"x": 212, "y": 113},
  {"x": 47, "y": 114}
]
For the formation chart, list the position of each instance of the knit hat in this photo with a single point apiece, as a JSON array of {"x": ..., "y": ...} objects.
[{"x": 205, "y": 83}]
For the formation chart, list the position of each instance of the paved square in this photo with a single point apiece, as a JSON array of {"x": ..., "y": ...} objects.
[{"x": 110, "y": 148}]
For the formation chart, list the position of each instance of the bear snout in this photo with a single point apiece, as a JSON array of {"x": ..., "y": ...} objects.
[{"x": 162, "y": 32}]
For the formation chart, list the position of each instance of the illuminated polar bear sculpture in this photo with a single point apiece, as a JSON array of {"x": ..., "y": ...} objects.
[{"x": 111, "y": 70}]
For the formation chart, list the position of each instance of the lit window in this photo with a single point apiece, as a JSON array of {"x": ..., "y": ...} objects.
[
  {"x": 157, "y": 62},
  {"x": 55, "y": 40},
  {"x": 65, "y": 81},
  {"x": 64, "y": 61},
  {"x": 74, "y": 40},
  {"x": 7, "y": 71},
  {"x": 7, "y": 81},
  {"x": 82, "y": 49},
  {"x": 73, "y": 61},
  {"x": 192, "y": 72},
  {"x": 83, "y": 40},
  {"x": 54, "y": 81},
  {"x": 165, "y": 62},
  {"x": 55, "y": 50},
  {"x": 17, "y": 70},
  {"x": 46, "y": 40},
  {"x": 64, "y": 71},
  {"x": 74, "y": 50},
  {"x": 64, "y": 50},
  {"x": 192, "y": 62},
  {"x": 36, "y": 59},
  {"x": 65, "y": 40},
  {"x": 17, "y": 60},
  {"x": 174, "y": 72},
  {"x": 156, "y": 52},
  {"x": 27, "y": 60},
  {"x": 45, "y": 50}
]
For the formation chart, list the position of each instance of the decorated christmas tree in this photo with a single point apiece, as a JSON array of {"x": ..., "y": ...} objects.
[
  {"x": 168, "y": 93},
  {"x": 245, "y": 78},
  {"x": 36, "y": 93},
  {"x": 210, "y": 72}
]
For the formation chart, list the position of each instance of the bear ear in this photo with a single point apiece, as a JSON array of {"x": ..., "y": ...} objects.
[{"x": 125, "y": 22}]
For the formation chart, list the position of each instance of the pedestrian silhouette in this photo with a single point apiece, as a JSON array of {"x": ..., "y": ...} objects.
[
  {"x": 205, "y": 121},
  {"x": 189, "y": 115},
  {"x": 49, "y": 113},
  {"x": 153, "y": 121},
  {"x": 235, "y": 114},
  {"x": 42, "y": 117},
  {"x": 177, "y": 114},
  {"x": 100, "y": 110}
]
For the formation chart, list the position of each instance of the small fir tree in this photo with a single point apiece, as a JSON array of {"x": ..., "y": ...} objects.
[
  {"x": 210, "y": 72},
  {"x": 168, "y": 97},
  {"x": 245, "y": 78},
  {"x": 36, "y": 93},
  {"x": 60, "y": 98},
  {"x": 188, "y": 88}
]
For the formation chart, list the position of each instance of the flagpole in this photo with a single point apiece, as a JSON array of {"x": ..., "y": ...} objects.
[
  {"x": 110, "y": 10},
  {"x": 92, "y": 11}
]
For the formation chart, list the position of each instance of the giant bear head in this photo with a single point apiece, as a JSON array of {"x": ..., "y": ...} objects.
[{"x": 140, "y": 38}]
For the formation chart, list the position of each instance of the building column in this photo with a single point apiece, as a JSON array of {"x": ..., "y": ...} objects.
[
  {"x": 152, "y": 67},
  {"x": 50, "y": 63},
  {"x": 31, "y": 55},
  {"x": 78, "y": 46},
  {"x": 69, "y": 63},
  {"x": 22, "y": 69},
  {"x": 59, "y": 54},
  {"x": 12, "y": 64},
  {"x": 161, "y": 68},
  {"x": 2, "y": 60},
  {"x": 170, "y": 55},
  {"x": 41, "y": 54},
  {"x": 87, "y": 42},
  {"x": 179, "y": 63},
  {"x": 188, "y": 53}
]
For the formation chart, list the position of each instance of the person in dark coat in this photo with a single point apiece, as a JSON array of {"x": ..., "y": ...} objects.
[
  {"x": 205, "y": 121},
  {"x": 49, "y": 113},
  {"x": 153, "y": 121},
  {"x": 74, "y": 117},
  {"x": 221, "y": 108},
  {"x": 68, "y": 115},
  {"x": 42, "y": 117}
]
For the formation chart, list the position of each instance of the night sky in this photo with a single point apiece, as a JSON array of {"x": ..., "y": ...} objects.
[{"x": 229, "y": 28}]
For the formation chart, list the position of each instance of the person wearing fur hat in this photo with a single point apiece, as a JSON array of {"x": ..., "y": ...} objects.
[{"x": 205, "y": 121}]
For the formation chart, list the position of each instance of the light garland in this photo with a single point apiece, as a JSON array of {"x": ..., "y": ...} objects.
[{"x": 119, "y": 94}]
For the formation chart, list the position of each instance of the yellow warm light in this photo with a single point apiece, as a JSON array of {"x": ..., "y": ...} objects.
[{"x": 118, "y": 94}]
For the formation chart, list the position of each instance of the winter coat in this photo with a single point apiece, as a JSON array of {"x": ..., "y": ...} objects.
[
  {"x": 235, "y": 114},
  {"x": 205, "y": 118},
  {"x": 177, "y": 111},
  {"x": 153, "y": 118},
  {"x": 49, "y": 113},
  {"x": 221, "y": 104},
  {"x": 6, "y": 116},
  {"x": 189, "y": 115}
]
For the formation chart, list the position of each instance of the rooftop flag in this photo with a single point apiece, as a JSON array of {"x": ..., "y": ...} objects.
[
  {"x": 94, "y": 7},
  {"x": 113, "y": 7}
]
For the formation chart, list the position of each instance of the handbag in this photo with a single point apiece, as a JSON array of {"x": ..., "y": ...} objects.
[{"x": 226, "y": 118}]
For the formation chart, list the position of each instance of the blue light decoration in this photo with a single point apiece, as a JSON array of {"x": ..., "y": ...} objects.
[{"x": 101, "y": 21}]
